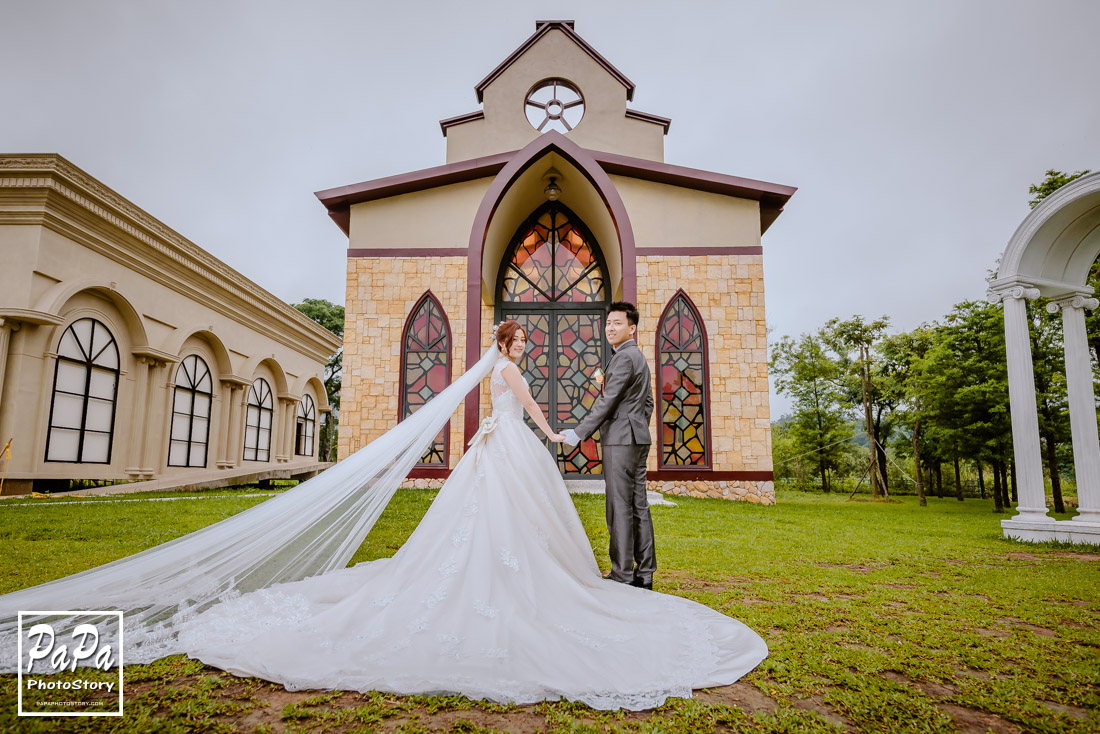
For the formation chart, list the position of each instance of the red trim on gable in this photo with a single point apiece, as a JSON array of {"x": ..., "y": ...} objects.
[
  {"x": 459, "y": 119},
  {"x": 543, "y": 27},
  {"x": 772, "y": 197},
  {"x": 647, "y": 117},
  {"x": 339, "y": 200}
]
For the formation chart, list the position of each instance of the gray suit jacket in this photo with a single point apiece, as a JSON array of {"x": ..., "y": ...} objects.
[{"x": 623, "y": 411}]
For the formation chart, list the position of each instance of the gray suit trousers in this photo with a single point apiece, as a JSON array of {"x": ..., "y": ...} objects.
[{"x": 628, "y": 521}]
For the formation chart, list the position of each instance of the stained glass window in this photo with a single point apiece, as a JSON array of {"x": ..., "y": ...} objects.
[
  {"x": 682, "y": 375},
  {"x": 85, "y": 388},
  {"x": 552, "y": 260},
  {"x": 258, "y": 419},
  {"x": 552, "y": 281},
  {"x": 304, "y": 427},
  {"x": 191, "y": 401},
  {"x": 426, "y": 367}
]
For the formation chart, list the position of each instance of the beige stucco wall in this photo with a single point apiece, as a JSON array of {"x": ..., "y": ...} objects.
[
  {"x": 438, "y": 217},
  {"x": 603, "y": 127},
  {"x": 670, "y": 216},
  {"x": 75, "y": 249}
]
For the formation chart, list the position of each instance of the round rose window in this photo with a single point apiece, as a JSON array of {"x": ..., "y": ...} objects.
[{"x": 554, "y": 104}]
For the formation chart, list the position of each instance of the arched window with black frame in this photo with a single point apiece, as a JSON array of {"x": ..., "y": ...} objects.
[
  {"x": 191, "y": 404},
  {"x": 683, "y": 382},
  {"x": 258, "y": 419},
  {"x": 426, "y": 368},
  {"x": 305, "y": 426},
  {"x": 85, "y": 391}
]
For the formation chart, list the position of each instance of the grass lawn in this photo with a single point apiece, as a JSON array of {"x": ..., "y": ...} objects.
[{"x": 879, "y": 616}]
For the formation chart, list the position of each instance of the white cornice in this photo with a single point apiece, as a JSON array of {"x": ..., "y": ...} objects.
[{"x": 269, "y": 314}]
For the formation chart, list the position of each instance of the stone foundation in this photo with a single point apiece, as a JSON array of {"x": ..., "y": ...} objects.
[{"x": 762, "y": 492}]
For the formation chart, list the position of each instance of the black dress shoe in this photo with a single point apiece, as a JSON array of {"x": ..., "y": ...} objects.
[{"x": 642, "y": 584}]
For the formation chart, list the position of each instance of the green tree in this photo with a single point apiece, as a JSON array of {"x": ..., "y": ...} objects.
[
  {"x": 805, "y": 372},
  {"x": 963, "y": 390},
  {"x": 902, "y": 357},
  {"x": 854, "y": 343},
  {"x": 330, "y": 316},
  {"x": 1054, "y": 180}
]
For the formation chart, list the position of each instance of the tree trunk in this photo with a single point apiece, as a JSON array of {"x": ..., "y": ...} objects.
[
  {"x": 939, "y": 479},
  {"x": 1015, "y": 494},
  {"x": 876, "y": 486},
  {"x": 916, "y": 466},
  {"x": 1006, "y": 500},
  {"x": 997, "y": 505},
  {"x": 981, "y": 480},
  {"x": 881, "y": 458},
  {"x": 824, "y": 474},
  {"x": 1055, "y": 480},
  {"x": 958, "y": 481}
]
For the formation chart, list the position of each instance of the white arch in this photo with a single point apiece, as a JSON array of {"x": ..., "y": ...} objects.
[{"x": 1050, "y": 255}]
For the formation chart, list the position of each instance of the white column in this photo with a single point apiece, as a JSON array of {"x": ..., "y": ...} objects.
[
  {"x": 139, "y": 413},
  {"x": 5, "y": 338},
  {"x": 236, "y": 449},
  {"x": 154, "y": 447},
  {"x": 1082, "y": 404},
  {"x": 1021, "y": 397},
  {"x": 227, "y": 420},
  {"x": 287, "y": 442}
]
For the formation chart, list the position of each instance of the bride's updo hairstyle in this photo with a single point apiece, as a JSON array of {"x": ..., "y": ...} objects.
[{"x": 506, "y": 334}]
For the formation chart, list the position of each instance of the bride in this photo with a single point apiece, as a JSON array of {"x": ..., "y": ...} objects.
[{"x": 495, "y": 595}]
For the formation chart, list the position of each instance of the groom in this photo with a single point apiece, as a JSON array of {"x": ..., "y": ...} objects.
[{"x": 622, "y": 414}]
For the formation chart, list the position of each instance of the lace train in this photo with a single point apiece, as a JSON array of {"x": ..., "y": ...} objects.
[{"x": 495, "y": 595}]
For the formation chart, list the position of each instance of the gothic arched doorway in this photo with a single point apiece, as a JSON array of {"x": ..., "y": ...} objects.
[{"x": 553, "y": 281}]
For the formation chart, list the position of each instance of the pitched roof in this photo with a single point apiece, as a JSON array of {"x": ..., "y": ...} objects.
[
  {"x": 542, "y": 27},
  {"x": 772, "y": 197}
]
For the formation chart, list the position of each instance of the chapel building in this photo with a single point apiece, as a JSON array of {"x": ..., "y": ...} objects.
[{"x": 554, "y": 201}]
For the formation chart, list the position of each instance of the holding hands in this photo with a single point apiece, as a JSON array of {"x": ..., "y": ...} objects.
[{"x": 568, "y": 437}]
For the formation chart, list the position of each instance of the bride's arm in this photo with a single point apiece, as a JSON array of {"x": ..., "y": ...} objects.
[{"x": 512, "y": 376}]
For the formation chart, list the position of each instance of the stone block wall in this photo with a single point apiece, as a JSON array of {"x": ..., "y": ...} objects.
[
  {"x": 381, "y": 292},
  {"x": 728, "y": 291}
]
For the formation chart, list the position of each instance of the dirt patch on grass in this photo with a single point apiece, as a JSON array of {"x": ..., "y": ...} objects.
[
  {"x": 1061, "y": 708},
  {"x": 741, "y": 694},
  {"x": 928, "y": 688},
  {"x": 1077, "y": 556},
  {"x": 1015, "y": 622},
  {"x": 979, "y": 722},
  {"x": 979, "y": 674},
  {"x": 822, "y": 709},
  {"x": 859, "y": 567}
]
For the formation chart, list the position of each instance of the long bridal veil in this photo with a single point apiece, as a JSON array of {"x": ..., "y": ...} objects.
[{"x": 310, "y": 529}]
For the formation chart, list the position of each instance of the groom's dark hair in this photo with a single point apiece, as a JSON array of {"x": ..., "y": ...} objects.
[{"x": 625, "y": 307}]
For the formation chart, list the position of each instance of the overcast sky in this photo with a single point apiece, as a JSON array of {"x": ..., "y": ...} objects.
[{"x": 911, "y": 129}]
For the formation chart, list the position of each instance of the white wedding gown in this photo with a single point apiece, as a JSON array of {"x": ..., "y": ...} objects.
[{"x": 495, "y": 595}]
